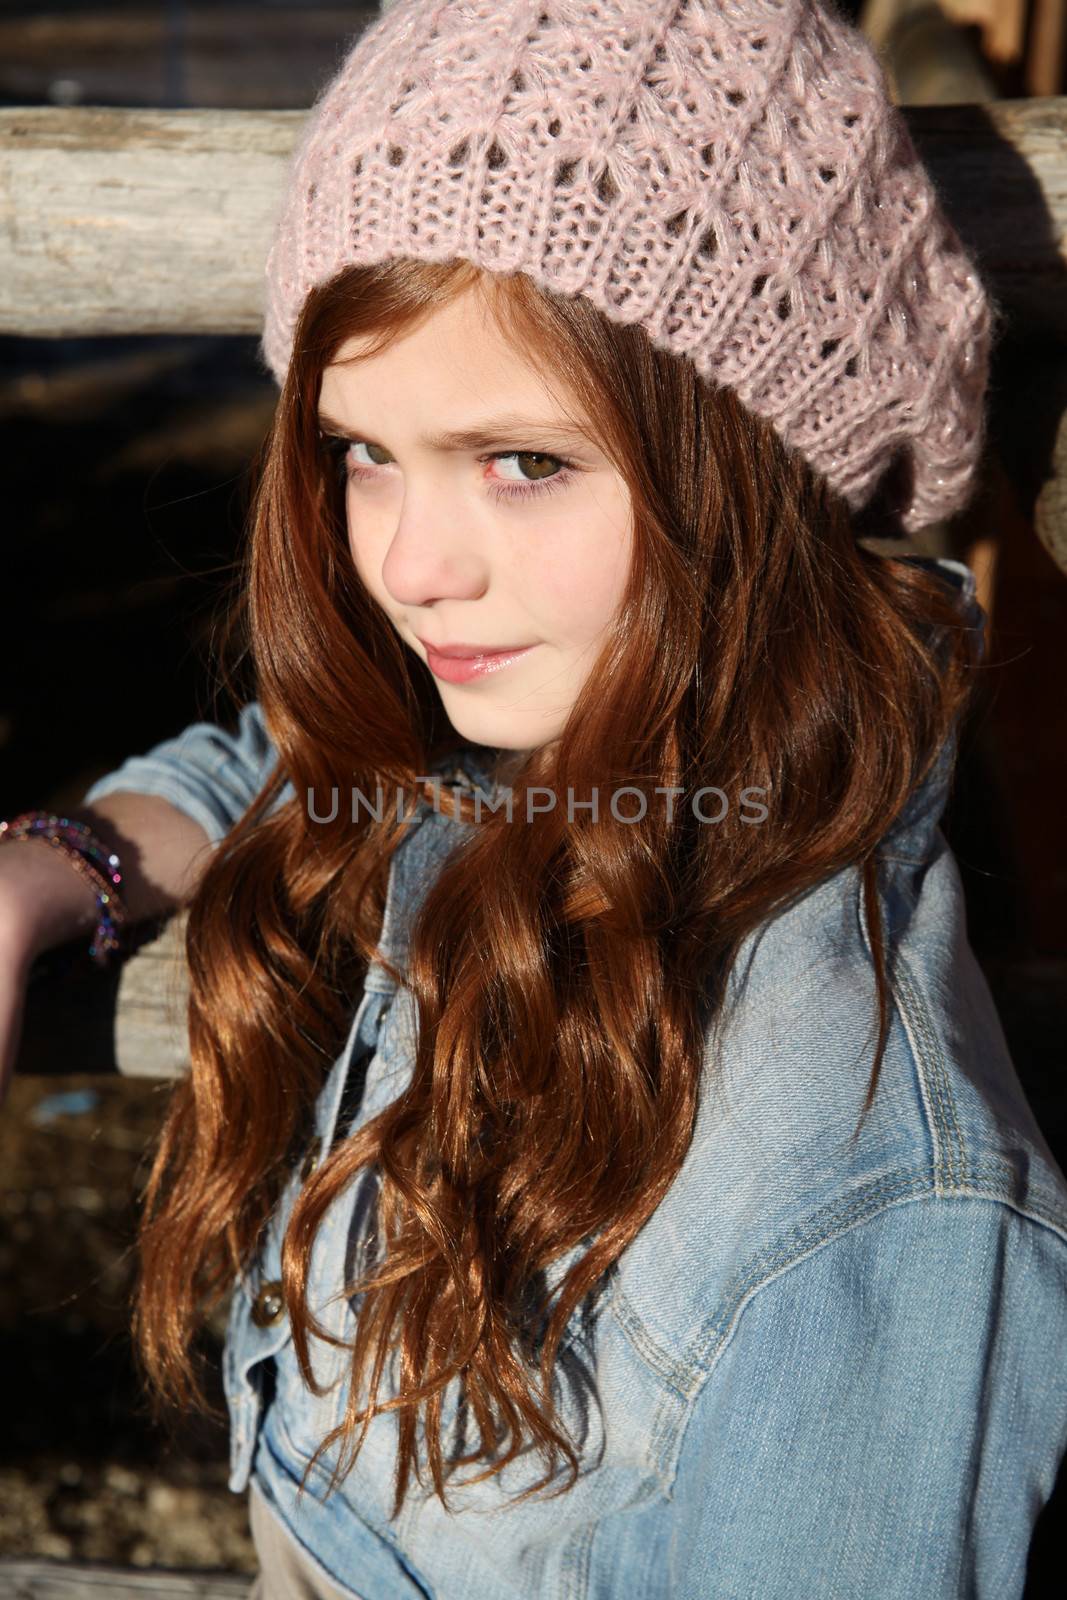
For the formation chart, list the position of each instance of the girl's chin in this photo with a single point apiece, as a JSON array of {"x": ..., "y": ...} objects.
[{"x": 495, "y": 729}]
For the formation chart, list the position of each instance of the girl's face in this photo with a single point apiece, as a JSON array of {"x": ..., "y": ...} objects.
[{"x": 481, "y": 515}]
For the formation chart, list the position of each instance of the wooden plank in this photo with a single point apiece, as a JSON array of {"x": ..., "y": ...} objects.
[
  {"x": 151, "y": 1029},
  {"x": 929, "y": 58},
  {"x": 1046, "y": 55},
  {"x": 128, "y": 221},
  {"x": 121, "y": 221},
  {"x": 1001, "y": 172},
  {"x": 1050, "y": 506},
  {"x": 1003, "y": 24},
  {"x": 56, "y": 1580}
]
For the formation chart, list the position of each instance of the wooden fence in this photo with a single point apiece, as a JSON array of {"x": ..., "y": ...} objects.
[{"x": 68, "y": 1580}]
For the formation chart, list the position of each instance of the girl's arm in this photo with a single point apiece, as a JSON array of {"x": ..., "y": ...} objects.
[
  {"x": 886, "y": 1418},
  {"x": 162, "y": 813},
  {"x": 207, "y": 774},
  {"x": 44, "y": 902}
]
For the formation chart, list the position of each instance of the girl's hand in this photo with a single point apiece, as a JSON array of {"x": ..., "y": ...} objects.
[
  {"x": 43, "y": 901},
  {"x": 12, "y": 1003}
]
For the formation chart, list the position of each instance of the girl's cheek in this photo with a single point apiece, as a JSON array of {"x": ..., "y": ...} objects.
[
  {"x": 368, "y": 556},
  {"x": 578, "y": 569}
]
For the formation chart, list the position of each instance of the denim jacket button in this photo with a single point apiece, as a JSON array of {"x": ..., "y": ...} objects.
[
  {"x": 269, "y": 1305},
  {"x": 311, "y": 1159}
]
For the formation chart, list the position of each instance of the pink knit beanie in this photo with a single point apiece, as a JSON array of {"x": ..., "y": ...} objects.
[{"x": 731, "y": 175}]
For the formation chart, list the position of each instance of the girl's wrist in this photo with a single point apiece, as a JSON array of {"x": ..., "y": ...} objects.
[
  {"x": 17, "y": 951},
  {"x": 95, "y": 862},
  {"x": 43, "y": 901}
]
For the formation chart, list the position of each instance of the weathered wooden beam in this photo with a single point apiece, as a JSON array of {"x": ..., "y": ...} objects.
[
  {"x": 930, "y": 59},
  {"x": 1051, "y": 510},
  {"x": 1001, "y": 172},
  {"x": 151, "y": 1027},
  {"x": 68, "y": 1580},
  {"x": 120, "y": 221}
]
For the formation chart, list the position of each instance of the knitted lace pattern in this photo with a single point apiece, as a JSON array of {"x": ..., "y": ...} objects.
[{"x": 731, "y": 175}]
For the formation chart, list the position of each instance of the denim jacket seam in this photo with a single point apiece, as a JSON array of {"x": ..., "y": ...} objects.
[
  {"x": 671, "y": 1420},
  {"x": 290, "y": 1535},
  {"x": 947, "y": 1177},
  {"x": 576, "y": 1569},
  {"x": 990, "y": 1179},
  {"x": 319, "y": 1475},
  {"x": 842, "y": 1217},
  {"x": 682, "y": 1374},
  {"x": 949, "y": 1155}
]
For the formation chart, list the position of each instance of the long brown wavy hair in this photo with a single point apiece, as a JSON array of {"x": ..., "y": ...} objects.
[{"x": 567, "y": 974}]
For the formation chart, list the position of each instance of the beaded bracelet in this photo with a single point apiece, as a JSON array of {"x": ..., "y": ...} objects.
[{"x": 91, "y": 858}]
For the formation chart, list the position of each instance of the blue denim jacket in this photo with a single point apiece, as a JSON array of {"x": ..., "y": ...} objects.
[{"x": 821, "y": 1369}]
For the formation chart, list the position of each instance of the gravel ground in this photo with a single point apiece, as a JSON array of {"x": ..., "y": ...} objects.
[{"x": 84, "y": 1473}]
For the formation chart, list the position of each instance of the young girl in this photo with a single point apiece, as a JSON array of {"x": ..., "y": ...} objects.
[{"x": 595, "y": 1105}]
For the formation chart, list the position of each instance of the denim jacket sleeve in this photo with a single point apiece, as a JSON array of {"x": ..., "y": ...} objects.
[
  {"x": 887, "y": 1418},
  {"x": 210, "y": 774}
]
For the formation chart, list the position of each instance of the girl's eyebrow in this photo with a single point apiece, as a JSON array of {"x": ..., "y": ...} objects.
[{"x": 493, "y": 431}]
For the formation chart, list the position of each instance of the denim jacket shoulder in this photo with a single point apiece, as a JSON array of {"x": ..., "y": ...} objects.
[{"x": 206, "y": 771}]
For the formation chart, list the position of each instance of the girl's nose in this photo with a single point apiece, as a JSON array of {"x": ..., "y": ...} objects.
[{"x": 433, "y": 554}]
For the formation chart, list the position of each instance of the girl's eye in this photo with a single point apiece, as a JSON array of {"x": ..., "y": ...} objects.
[
  {"x": 360, "y": 444},
  {"x": 535, "y": 472},
  {"x": 517, "y": 474}
]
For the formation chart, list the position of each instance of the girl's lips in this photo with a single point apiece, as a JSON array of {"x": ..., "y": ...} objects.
[{"x": 462, "y": 669}]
